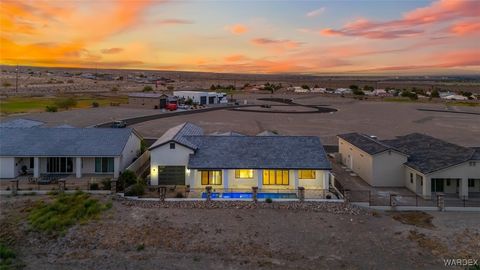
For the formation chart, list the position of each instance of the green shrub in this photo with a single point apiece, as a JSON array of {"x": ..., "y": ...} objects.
[
  {"x": 127, "y": 178},
  {"x": 94, "y": 186},
  {"x": 66, "y": 103},
  {"x": 64, "y": 211},
  {"x": 95, "y": 104},
  {"x": 137, "y": 189},
  {"x": 106, "y": 184},
  {"x": 147, "y": 88},
  {"x": 140, "y": 247},
  {"x": 268, "y": 200},
  {"x": 51, "y": 109},
  {"x": 7, "y": 257},
  {"x": 179, "y": 195}
]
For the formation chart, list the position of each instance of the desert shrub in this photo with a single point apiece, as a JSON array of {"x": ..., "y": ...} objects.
[
  {"x": 51, "y": 109},
  {"x": 7, "y": 257},
  {"x": 94, "y": 186},
  {"x": 66, "y": 103},
  {"x": 358, "y": 92},
  {"x": 95, "y": 104},
  {"x": 268, "y": 200},
  {"x": 328, "y": 196},
  {"x": 114, "y": 89},
  {"x": 179, "y": 195},
  {"x": 64, "y": 211},
  {"x": 106, "y": 184},
  {"x": 127, "y": 178},
  {"x": 70, "y": 81},
  {"x": 147, "y": 88},
  {"x": 140, "y": 247},
  {"x": 6, "y": 84},
  {"x": 137, "y": 189}
]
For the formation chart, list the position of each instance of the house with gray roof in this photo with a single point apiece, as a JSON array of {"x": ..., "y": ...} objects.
[
  {"x": 185, "y": 156},
  {"x": 424, "y": 164},
  {"x": 65, "y": 151}
]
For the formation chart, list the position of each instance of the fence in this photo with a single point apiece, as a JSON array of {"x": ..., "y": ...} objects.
[
  {"x": 140, "y": 164},
  {"x": 24, "y": 184},
  {"x": 393, "y": 199}
]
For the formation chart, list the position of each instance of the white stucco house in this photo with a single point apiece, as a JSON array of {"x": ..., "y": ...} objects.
[
  {"x": 202, "y": 98},
  {"x": 184, "y": 156},
  {"x": 64, "y": 151},
  {"x": 421, "y": 163}
]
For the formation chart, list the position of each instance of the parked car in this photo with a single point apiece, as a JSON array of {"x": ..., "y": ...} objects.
[{"x": 119, "y": 124}]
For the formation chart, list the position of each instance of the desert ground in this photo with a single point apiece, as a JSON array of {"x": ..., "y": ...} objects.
[{"x": 146, "y": 235}]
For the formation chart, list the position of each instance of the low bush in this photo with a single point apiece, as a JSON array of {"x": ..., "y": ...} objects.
[
  {"x": 147, "y": 88},
  {"x": 140, "y": 247},
  {"x": 137, "y": 189},
  {"x": 328, "y": 196},
  {"x": 268, "y": 200},
  {"x": 66, "y": 103},
  {"x": 94, "y": 186},
  {"x": 7, "y": 257},
  {"x": 95, "y": 104},
  {"x": 64, "y": 211},
  {"x": 51, "y": 109},
  {"x": 179, "y": 195},
  {"x": 106, "y": 184}
]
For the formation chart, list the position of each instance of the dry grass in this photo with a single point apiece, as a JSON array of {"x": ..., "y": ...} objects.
[
  {"x": 416, "y": 218},
  {"x": 429, "y": 243}
]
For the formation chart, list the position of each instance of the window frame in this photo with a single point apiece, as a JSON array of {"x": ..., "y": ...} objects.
[
  {"x": 283, "y": 180},
  {"x": 107, "y": 162},
  {"x": 209, "y": 179},
  {"x": 172, "y": 145},
  {"x": 312, "y": 173},
  {"x": 238, "y": 174}
]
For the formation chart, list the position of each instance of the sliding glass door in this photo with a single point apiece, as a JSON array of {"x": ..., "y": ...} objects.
[{"x": 59, "y": 165}]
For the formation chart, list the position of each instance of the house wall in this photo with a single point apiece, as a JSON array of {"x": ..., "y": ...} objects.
[
  {"x": 7, "y": 167},
  {"x": 388, "y": 169},
  {"x": 130, "y": 152},
  {"x": 149, "y": 103},
  {"x": 164, "y": 156},
  {"x": 362, "y": 161},
  {"x": 320, "y": 181}
]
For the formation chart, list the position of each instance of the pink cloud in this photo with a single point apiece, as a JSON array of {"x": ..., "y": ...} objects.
[
  {"x": 111, "y": 50},
  {"x": 276, "y": 43},
  {"x": 465, "y": 28},
  {"x": 174, "y": 21},
  {"x": 412, "y": 23},
  {"x": 235, "y": 58}
]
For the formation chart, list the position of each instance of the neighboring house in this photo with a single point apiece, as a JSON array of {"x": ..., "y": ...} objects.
[
  {"x": 422, "y": 163},
  {"x": 21, "y": 123},
  {"x": 455, "y": 97},
  {"x": 76, "y": 151},
  {"x": 202, "y": 98},
  {"x": 184, "y": 156},
  {"x": 148, "y": 100}
]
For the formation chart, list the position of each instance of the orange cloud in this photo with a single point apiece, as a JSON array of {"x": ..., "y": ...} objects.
[
  {"x": 279, "y": 44},
  {"x": 465, "y": 28},
  {"x": 412, "y": 22},
  {"x": 236, "y": 58},
  {"x": 237, "y": 29},
  {"x": 111, "y": 50}
]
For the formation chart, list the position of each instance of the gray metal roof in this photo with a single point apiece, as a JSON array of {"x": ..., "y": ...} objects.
[
  {"x": 146, "y": 95},
  {"x": 63, "y": 141},
  {"x": 228, "y": 133},
  {"x": 428, "y": 154},
  {"x": 177, "y": 134},
  {"x": 21, "y": 123},
  {"x": 365, "y": 143},
  {"x": 267, "y": 133},
  {"x": 476, "y": 155},
  {"x": 258, "y": 152}
]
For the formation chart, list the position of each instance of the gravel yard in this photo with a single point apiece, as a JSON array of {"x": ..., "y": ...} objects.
[{"x": 240, "y": 235}]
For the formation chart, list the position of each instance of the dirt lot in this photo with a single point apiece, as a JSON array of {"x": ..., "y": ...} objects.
[
  {"x": 383, "y": 119},
  {"x": 145, "y": 236}
]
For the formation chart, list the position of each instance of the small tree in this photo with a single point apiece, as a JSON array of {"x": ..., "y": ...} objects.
[
  {"x": 435, "y": 94},
  {"x": 147, "y": 88},
  {"x": 213, "y": 88},
  {"x": 306, "y": 87},
  {"x": 358, "y": 92},
  {"x": 367, "y": 88},
  {"x": 127, "y": 178},
  {"x": 189, "y": 102},
  {"x": 51, "y": 109}
]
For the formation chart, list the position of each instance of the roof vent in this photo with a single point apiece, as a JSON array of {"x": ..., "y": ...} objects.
[{"x": 374, "y": 137}]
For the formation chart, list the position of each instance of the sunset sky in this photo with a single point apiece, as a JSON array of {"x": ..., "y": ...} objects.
[{"x": 317, "y": 37}]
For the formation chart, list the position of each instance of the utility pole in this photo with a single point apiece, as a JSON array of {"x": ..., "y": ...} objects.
[{"x": 16, "y": 80}]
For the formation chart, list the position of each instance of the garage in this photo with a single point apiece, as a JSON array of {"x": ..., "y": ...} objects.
[{"x": 171, "y": 175}]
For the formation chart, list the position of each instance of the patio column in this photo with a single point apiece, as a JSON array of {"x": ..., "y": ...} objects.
[
  {"x": 463, "y": 188},
  {"x": 295, "y": 179},
  {"x": 427, "y": 187},
  {"x": 78, "y": 167},
  {"x": 260, "y": 179},
  {"x": 116, "y": 167},
  {"x": 36, "y": 167},
  {"x": 326, "y": 182},
  {"x": 225, "y": 179}
]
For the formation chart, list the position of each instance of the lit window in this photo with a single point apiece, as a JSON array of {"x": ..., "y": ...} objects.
[
  {"x": 244, "y": 174},
  {"x": 275, "y": 177},
  {"x": 211, "y": 177},
  {"x": 306, "y": 174}
]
